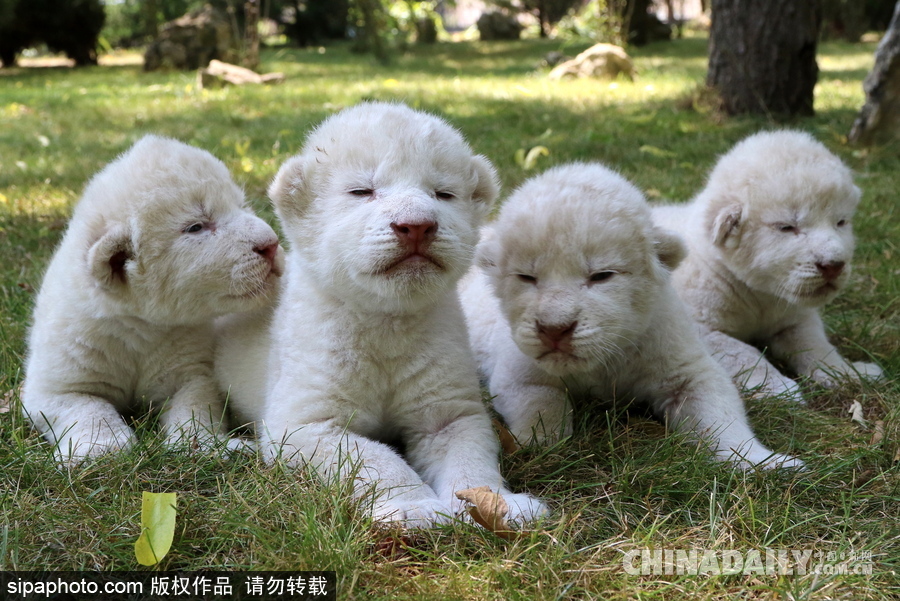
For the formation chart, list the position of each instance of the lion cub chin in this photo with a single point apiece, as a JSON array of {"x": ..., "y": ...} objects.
[
  {"x": 770, "y": 241},
  {"x": 571, "y": 294},
  {"x": 368, "y": 344},
  {"x": 159, "y": 245}
]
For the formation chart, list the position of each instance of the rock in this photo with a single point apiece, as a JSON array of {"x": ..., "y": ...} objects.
[
  {"x": 191, "y": 41},
  {"x": 498, "y": 26},
  {"x": 601, "y": 60},
  {"x": 879, "y": 118},
  {"x": 218, "y": 73}
]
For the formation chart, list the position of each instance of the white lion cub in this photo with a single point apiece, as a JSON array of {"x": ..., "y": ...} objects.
[
  {"x": 571, "y": 293},
  {"x": 159, "y": 245},
  {"x": 770, "y": 242},
  {"x": 368, "y": 344}
]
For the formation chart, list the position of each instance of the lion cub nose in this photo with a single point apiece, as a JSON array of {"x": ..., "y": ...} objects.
[
  {"x": 556, "y": 337},
  {"x": 415, "y": 236},
  {"x": 831, "y": 270},
  {"x": 267, "y": 251}
]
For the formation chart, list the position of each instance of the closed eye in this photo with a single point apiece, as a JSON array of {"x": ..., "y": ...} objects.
[
  {"x": 362, "y": 192},
  {"x": 193, "y": 228},
  {"x": 524, "y": 277},
  {"x": 786, "y": 227},
  {"x": 444, "y": 195},
  {"x": 601, "y": 276}
]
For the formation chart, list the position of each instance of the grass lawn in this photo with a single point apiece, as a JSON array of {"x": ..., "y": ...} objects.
[{"x": 618, "y": 485}]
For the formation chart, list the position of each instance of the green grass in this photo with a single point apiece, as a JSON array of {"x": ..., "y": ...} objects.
[{"x": 618, "y": 484}]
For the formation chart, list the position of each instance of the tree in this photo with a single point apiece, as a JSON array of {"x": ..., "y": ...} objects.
[
  {"x": 70, "y": 26},
  {"x": 879, "y": 118},
  {"x": 762, "y": 55}
]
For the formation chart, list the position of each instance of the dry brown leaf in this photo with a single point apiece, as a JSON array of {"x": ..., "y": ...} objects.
[
  {"x": 856, "y": 413},
  {"x": 508, "y": 442},
  {"x": 6, "y": 400},
  {"x": 863, "y": 477},
  {"x": 878, "y": 434},
  {"x": 489, "y": 510}
]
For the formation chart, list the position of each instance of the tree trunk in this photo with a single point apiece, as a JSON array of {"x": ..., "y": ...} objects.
[
  {"x": 762, "y": 55},
  {"x": 879, "y": 118},
  {"x": 251, "y": 34}
]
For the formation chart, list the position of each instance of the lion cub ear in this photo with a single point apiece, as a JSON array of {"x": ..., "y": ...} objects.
[
  {"x": 669, "y": 247},
  {"x": 487, "y": 188},
  {"x": 724, "y": 221},
  {"x": 488, "y": 250},
  {"x": 108, "y": 258},
  {"x": 290, "y": 190}
]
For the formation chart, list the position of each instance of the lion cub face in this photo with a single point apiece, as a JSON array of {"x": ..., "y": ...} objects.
[
  {"x": 577, "y": 266},
  {"x": 383, "y": 204},
  {"x": 172, "y": 239},
  {"x": 780, "y": 211}
]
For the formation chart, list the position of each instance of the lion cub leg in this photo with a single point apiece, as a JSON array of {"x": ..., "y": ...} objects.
[
  {"x": 749, "y": 368},
  {"x": 706, "y": 403},
  {"x": 456, "y": 450},
  {"x": 532, "y": 402},
  {"x": 79, "y": 425},
  {"x": 337, "y": 453},
  {"x": 805, "y": 348},
  {"x": 194, "y": 415}
]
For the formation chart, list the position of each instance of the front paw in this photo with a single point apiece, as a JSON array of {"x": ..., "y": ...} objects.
[
  {"x": 523, "y": 508},
  {"x": 73, "y": 450},
  {"x": 418, "y": 513},
  {"x": 777, "y": 385},
  {"x": 868, "y": 371},
  {"x": 759, "y": 457}
]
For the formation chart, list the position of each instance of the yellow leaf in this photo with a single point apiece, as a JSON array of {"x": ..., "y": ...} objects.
[
  {"x": 489, "y": 510},
  {"x": 157, "y": 527},
  {"x": 657, "y": 152},
  {"x": 532, "y": 156}
]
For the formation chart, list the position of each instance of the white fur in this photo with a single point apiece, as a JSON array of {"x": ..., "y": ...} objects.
[
  {"x": 364, "y": 349},
  {"x": 576, "y": 247},
  {"x": 124, "y": 316},
  {"x": 751, "y": 285}
]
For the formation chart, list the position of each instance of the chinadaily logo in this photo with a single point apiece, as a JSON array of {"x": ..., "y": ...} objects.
[{"x": 768, "y": 562}]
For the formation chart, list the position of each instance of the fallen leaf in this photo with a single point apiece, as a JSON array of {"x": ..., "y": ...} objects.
[
  {"x": 6, "y": 399},
  {"x": 157, "y": 527},
  {"x": 489, "y": 510},
  {"x": 508, "y": 442},
  {"x": 864, "y": 477},
  {"x": 856, "y": 413},
  {"x": 878, "y": 434},
  {"x": 657, "y": 152}
]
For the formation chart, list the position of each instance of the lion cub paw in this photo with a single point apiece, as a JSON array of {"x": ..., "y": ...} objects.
[
  {"x": 524, "y": 508},
  {"x": 418, "y": 513}
]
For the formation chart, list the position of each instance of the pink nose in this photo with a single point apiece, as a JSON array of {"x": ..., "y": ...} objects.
[
  {"x": 415, "y": 236},
  {"x": 267, "y": 251},
  {"x": 556, "y": 336},
  {"x": 830, "y": 271}
]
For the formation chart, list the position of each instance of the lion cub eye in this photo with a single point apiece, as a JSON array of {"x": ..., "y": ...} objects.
[
  {"x": 601, "y": 276},
  {"x": 842, "y": 223},
  {"x": 443, "y": 195},
  {"x": 362, "y": 192},
  {"x": 529, "y": 279},
  {"x": 193, "y": 228}
]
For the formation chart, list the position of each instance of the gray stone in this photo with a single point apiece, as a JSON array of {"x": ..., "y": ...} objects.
[
  {"x": 191, "y": 41},
  {"x": 604, "y": 61},
  {"x": 498, "y": 26}
]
